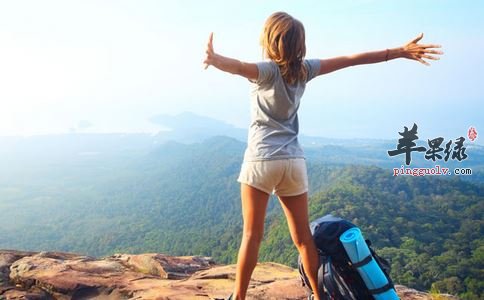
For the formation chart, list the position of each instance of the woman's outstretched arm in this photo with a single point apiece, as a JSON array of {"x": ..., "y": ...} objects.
[
  {"x": 227, "y": 64},
  {"x": 410, "y": 50}
]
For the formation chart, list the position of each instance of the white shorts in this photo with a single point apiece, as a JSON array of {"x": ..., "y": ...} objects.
[{"x": 283, "y": 177}]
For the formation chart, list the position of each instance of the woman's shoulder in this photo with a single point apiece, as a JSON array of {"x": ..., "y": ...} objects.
[
  {"x": 313, "y": 65},
  {"x": 266, "y": 63},
  {"x": 268, "y": 71},
  {"x": 312, "y": 61}
]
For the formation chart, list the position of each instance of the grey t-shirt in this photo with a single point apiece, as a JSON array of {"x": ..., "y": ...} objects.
[{"x": 274, "y": 104}]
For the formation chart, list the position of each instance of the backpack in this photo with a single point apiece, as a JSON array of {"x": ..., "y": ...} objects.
[{"x": 338, "y": 278}]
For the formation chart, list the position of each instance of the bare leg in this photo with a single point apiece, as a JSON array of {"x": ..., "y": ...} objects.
[
  {"x": 296, "y": 211},
  {"x": 254, "y": 204}
]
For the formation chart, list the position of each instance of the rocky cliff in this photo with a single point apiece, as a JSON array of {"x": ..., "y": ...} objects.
[{"x": 60, "y": 275}]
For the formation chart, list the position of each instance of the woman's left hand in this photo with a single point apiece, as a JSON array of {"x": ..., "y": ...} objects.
[{"x": 418, "y": 52}]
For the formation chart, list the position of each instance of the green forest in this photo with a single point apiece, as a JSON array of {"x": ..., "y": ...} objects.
[{"x": 183, "y": 199}]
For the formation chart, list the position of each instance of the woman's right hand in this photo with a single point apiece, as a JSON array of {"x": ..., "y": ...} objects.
[
  {"x": 415, "y": 51},
  {"x": 227, "y": 64},
  {"x": 210, "y": 54}
]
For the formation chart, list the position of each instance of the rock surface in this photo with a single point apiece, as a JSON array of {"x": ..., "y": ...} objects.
[{"x": 60, "y": 275}]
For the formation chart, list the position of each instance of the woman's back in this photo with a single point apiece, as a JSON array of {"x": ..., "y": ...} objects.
[{"x": 274, "y": 105}]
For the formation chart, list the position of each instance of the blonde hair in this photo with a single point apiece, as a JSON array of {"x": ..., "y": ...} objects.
[{"x": 283, "y": 41}]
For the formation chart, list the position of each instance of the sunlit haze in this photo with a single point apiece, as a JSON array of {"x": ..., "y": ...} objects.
[{"x": 108, "y": 66}]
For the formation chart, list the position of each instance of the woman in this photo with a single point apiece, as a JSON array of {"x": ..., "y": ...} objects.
[{"x": 274, "y": 161}]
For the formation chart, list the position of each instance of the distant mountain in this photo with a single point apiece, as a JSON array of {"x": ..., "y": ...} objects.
[{"x": 188, "y": 127}]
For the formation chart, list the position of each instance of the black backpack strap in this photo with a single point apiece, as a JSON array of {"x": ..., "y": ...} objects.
[
  {"x": 382, "y": 289},
  {"x": 383, "y": 266},
  {"x": 321, "y": 272},
  {"x": 363, "y": 262},
  {"x": 303, "y": 276}
]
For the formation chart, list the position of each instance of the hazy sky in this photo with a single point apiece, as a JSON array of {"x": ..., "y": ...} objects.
[{"x": 107, "y": 66}]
